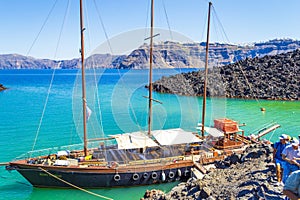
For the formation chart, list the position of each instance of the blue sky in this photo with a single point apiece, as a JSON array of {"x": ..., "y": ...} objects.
[{"x": 243, "y": 21}]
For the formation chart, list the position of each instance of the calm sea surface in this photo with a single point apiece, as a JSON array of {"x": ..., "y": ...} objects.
[{"x": 118, "y": 105}]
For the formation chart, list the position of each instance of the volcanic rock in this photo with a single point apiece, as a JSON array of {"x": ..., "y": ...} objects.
[
  {"x": 271, "y": 77},
  {"x": 250, "y": 175}
]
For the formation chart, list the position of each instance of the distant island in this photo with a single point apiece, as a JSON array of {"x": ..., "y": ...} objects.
[
  {"x": 270, "y": 77},
  {"x": 166, "y": 55}
]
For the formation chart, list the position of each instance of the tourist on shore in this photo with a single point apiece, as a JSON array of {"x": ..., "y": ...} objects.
[
  {"x": 289, "y": 139},
  {"x": 290, "y": 155},
  {"x": 278, "y": 147},
  {"x": 292, "y": 139},
  {"x": 292, "y": 186}
]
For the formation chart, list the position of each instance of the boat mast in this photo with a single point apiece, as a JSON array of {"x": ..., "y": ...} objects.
[
  {"x": 150, "y": 70},
  {"x": 206, "y": 70},
  {"x": 83, "y": 81}
]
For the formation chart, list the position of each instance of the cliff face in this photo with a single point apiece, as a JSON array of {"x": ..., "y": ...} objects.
[
  {"x": 15, "y": 61},
  {"x": 270, "y": 77},
  {"x": 165, "y": 55},
  {"x": 192, "y": 55}
]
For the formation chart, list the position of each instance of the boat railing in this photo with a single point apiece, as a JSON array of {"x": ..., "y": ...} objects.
[
  {"x": 264, "y": 129},
  {"x": 110, "y": 155},
  {"x": 54, "y": 150},
  {"x": 116, "y": 164},
  {"x": 159, "y": 160}
]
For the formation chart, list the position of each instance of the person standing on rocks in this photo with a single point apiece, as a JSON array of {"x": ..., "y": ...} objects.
[
  {"x": 290, "y": 155},
  {"x": 292, "y": 186},
  {"x": 277, "y": 158}
]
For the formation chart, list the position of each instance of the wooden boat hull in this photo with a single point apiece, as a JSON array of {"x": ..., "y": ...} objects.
[{"x": 101, "y": 177}]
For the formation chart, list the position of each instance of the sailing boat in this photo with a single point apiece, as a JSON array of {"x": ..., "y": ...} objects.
[{"x": 137, "y": 159}]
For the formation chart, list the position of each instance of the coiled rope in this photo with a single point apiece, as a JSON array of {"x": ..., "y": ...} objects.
[{"x": 74, "y": 186}]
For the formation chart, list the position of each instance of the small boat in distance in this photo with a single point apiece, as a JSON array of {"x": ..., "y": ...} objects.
[{"x": 137, "y": 158}]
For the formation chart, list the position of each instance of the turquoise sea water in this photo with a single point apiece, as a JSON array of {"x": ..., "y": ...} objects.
[{"x": 120, "y": 107}]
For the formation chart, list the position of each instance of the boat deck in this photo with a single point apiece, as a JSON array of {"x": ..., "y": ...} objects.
[{"x": 127, "y": 156}]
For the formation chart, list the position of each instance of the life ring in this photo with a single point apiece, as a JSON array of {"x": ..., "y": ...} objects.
[
  {"x": 117, "y": 177},
  {"x": 135, "y": 176},
  {"x": 179, "y": 172},
  {"x": 145, "y": 175},
  {"x": 154, "y": 175},
  {"x": 171, "y": 175}
]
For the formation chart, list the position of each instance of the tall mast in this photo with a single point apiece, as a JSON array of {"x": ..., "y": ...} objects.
[
  {"x": 206, "y": 70},
  {"x": 83, "y": 80},
  {"x": 150, "y": 69}
]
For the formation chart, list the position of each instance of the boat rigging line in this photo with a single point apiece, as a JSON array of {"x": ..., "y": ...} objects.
[
  {"x": 103, "y": 27},
  {"x": 147, "y": 18},
  {"x": 125, "y": 90},
  {"x": 214, "y": 13},
  {"x": 54, "y": 70},
  {"x": 41, "y": 29},
  {"x": 74, "y": 186},
  {"x": 95, "y": 80},
  {"x": 167, "y": 18}
]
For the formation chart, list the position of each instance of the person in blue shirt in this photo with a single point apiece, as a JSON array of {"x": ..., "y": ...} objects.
[
  {"x": 277, "y": 158},
  {"x": 292, "y": 186},
  {"x": 291, "y": 156}
]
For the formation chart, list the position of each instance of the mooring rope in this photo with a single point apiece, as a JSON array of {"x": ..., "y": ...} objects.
[
  {"x": 263, "y": 192},
  {"x": 272, "y": 134},
  {"x": 74, "y": 186}
]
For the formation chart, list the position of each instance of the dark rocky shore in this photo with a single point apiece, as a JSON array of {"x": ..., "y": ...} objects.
[
  {"x": 250, "y": 175},
  {"x": 271, "y": 77},
  {"x": 2, "y": 87}
]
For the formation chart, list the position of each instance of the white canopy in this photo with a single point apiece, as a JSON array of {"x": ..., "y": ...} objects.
[
  {"x": 174, "y": 136},
  {"x": 214, "y": 131},
  {"x": 133, "y": 140}
]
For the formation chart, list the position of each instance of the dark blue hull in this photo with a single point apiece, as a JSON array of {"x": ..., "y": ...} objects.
[{"x": 100, "y": 178}]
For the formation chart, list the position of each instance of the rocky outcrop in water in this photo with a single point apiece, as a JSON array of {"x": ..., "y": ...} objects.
[
  {"x": 271, "y": 77},
  {"x": 250, "y": 175},
  {"x": 2, "y": 87}
]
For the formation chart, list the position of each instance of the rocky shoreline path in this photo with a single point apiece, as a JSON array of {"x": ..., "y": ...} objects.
[
  {"x": 250, "y": 175},
  {"x": 271, "y": 77}
]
